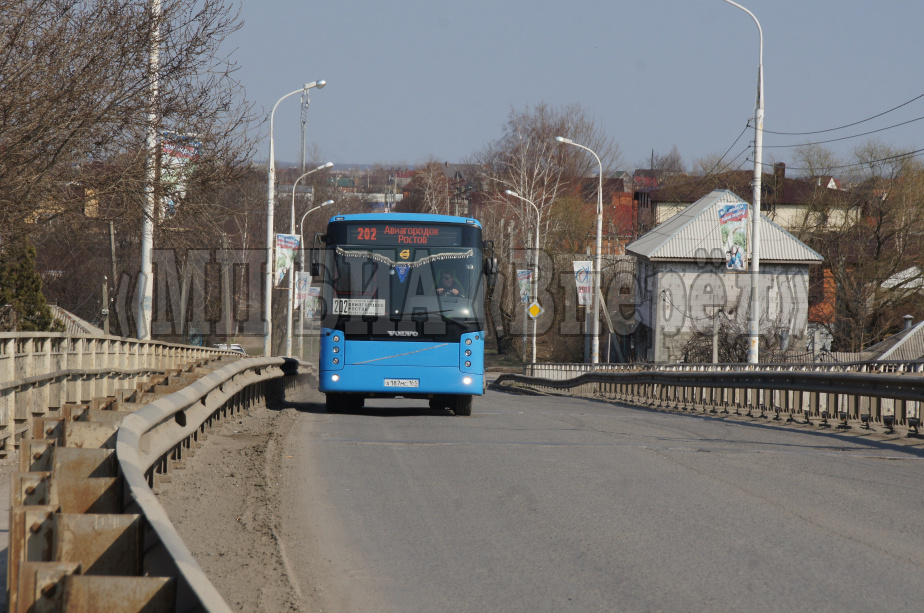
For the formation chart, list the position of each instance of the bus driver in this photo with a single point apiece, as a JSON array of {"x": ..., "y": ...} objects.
[{"x": 448, "y": 285}]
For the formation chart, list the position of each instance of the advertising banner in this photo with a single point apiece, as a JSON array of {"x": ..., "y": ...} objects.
[
  {"x": 583, "y": 281},
  {"x": 733, "y": 221},
  {"x": 177, "y": 156},
  {"x": 302, "y": 285},
  {"x": 311, "y": 302},
  {"x": 286, "y": 248},
  {"x": 524, "y": 282}
]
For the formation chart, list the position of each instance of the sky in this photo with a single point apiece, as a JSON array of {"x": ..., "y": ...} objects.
[{"x": 411, "y": 80}]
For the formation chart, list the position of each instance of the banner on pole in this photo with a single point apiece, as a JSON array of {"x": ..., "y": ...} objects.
[
  {"x": 733, "y": 222},
  {"x": 177, "y": 156},
  {"x": 583, "y": 280},
  {"x": 311, "y": 302},
  {"x": 286, "y": 248},
  {"x": 525, "y": 283},
  {"x": 302, "y": 285}
]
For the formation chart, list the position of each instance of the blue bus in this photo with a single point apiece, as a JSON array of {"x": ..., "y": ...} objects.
[{"x": 402, "y": 309}]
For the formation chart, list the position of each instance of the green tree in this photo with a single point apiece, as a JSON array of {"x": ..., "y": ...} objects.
[{"x": 22, "y": 304}]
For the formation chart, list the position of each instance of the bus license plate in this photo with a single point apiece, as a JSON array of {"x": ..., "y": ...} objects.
[{"x": 402, "y": 382}]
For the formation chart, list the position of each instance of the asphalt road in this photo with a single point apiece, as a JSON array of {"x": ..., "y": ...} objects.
[{"x": 552, "y": 504}]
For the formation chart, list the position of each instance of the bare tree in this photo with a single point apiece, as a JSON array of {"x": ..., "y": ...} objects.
[
  {"x": 75, "y": 103},
  {"x": 428, "y": 191},
  {"x": 527, "y": 160},
  {"x": 871, "y": 240},
  {"x": 665, "y": 165}
]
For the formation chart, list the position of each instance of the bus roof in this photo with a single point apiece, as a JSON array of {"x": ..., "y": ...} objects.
[{"x": 406, "y": 217}]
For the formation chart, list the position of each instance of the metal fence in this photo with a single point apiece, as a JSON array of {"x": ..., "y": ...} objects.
[
  {"x": 888, "y": 394},
  {"x": 86, "y": 530},
  {"x": 41, "y": 372},
  {"x": 567, "y": 371}
]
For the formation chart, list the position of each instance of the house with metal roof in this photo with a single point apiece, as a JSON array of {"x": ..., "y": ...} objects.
[
  {"x": 906, "y": 346},
  {"x": 793, "y": 203},
  {"x": 690, "y": 287}
]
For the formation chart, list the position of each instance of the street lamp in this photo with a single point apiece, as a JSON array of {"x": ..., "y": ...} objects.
[
  {"x": 270, "y": 238},
  {"x": 292, "y": 276},
  {"x": 595, "y": 346},
  {"x": 535, "y": 258},
  {"x": 301, "y": 231},
  {"x": 145, "y": 306},
  {"x": 754, "y": 321}
]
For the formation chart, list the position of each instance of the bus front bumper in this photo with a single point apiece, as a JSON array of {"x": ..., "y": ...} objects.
[{"x": 409, "y": 381}]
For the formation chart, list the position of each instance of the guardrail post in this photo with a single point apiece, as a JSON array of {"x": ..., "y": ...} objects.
[
  {"x": 887, "y": 411},
  {"x": 78, "y": 363},
  {"x": 913, "y": 416},
  {"x": 8, "y": 396},
  {"x": 24, "y": 369}
]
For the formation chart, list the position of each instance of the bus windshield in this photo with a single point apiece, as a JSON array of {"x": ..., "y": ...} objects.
[{"x": 409, "y": 285}]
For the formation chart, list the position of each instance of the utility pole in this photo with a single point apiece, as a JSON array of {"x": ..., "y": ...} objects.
[
  {"x": 227, "y": 305},
  {"x": 105, "y": 310}
]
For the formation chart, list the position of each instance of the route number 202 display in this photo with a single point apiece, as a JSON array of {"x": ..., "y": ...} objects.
[{"x": 366, "y": 234}]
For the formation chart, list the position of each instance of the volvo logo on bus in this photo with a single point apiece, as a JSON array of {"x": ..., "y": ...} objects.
[{"x": 402, "y": 333}]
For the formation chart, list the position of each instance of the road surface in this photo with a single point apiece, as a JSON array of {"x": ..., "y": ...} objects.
[{"x": 551, "y": 503}]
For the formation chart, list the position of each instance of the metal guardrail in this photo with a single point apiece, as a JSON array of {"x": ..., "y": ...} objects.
[
  {"x": 890, "y": 398},
  {"x": 86, "y": 531},
  {"x": 152, "y": 439},
  {"x": 41, "y": 372},
  {"x": 569, "y": 370}
]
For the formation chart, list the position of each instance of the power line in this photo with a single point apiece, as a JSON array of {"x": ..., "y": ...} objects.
[
  {"x": 834, "y": 140},
  {"x": 847, "y": 125},
  {"x": 910, "y": 154},
  {"x": 711, "y": 170}
]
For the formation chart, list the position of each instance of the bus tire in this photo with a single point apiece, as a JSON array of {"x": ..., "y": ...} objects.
[
  {"x": 334, "y": 402},
  {"x": 462, "y": 405},
  {"x": 438, "y": 403}
]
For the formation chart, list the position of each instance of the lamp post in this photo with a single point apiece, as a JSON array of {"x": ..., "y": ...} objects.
[
  {"x": 145, "y": 307},
  {"x": 598, "y": 272},
  {"x": 535, "y": 257},
  {"x": 270, "y": 237},
  {"x": 301, "y": 232},
  {"x": 292, "y": 278},
  {"x": 754, "y": 320}
]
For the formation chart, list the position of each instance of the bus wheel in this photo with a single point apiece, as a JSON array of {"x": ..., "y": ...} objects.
[
  {"x": 462, "y": 405},
  {"x": 335, "y": 402}
]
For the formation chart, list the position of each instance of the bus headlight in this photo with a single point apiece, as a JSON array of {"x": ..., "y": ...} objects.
[
  {"x": 336, "y": 361},
  {"x": 336, "y": 349},
  {"x": 466, "y": 380},
  {"x": 468, "y": 352},
  {"x": 468, "y": 341},
  {"x": 336, "y": 339},
  {"x": 335, "y": 378},
  {"x": 468, "y": 364}
]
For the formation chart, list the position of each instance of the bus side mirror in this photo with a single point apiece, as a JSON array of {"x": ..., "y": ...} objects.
[
  {"x": 490, "y": 270},
  {"x": 315, "y": 264}
]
